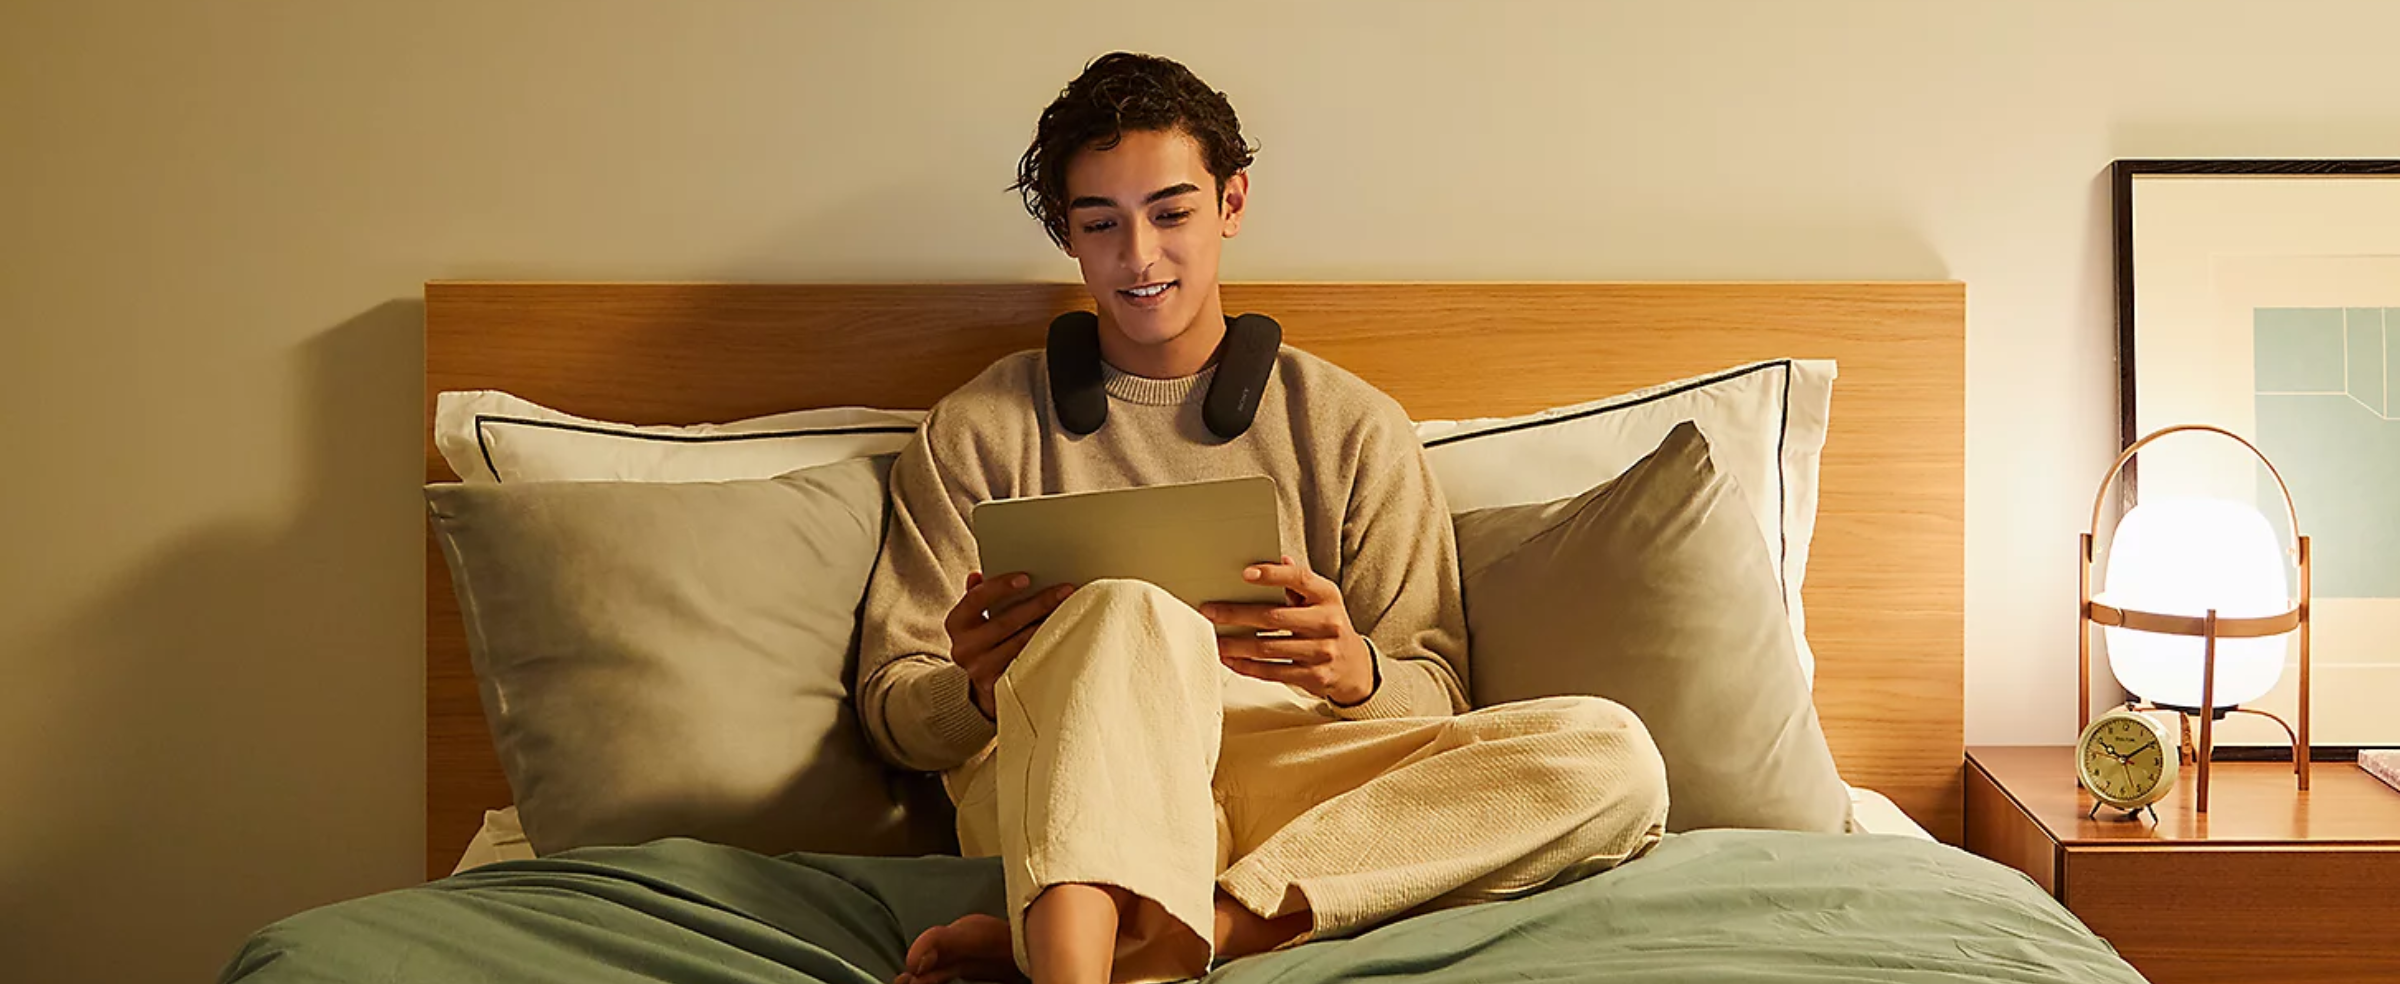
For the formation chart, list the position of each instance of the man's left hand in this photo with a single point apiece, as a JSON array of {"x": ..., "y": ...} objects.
[{"x": 1323, "y": 655}]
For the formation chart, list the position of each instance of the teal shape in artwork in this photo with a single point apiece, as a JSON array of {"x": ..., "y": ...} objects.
[
  {"x": 2299, "y": 350},
  {"x": 2324, "y": 413}
]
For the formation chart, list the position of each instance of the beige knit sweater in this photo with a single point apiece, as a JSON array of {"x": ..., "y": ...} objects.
[{"x": 1359, "y": 506}]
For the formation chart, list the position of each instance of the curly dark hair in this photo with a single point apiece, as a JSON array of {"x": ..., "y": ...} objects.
[{"x": 1117, "y": 92}]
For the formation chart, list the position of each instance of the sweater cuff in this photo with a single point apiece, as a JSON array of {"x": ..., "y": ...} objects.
[
  {"x": 956, "y": 722},
  {"x": 1383, "y": 701}
]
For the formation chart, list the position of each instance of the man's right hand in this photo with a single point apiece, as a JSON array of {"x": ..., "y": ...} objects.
[{"x": 984, "y": 646}]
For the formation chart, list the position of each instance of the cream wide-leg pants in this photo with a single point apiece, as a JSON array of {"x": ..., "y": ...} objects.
[{"x": 1129, "y": 756}]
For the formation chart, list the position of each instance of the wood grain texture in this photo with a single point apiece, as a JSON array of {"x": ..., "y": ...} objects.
[
  {"x": 2253, "y": 803},
  {"x": 1999, "y": 829},
  {"x": 2271, "y": 885},
  {"x": 2209, "y": 915},
  {"x": 1885, "y": 579}
]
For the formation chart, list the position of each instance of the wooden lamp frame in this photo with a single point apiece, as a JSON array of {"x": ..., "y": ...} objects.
[{"x": 2208, "y": 627}]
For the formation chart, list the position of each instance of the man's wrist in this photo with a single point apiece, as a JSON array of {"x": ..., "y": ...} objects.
[{"x": 1374, "y": 676}]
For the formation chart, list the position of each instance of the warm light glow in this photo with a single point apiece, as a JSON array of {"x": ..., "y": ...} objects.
[{"x": 2185, "y": 557}]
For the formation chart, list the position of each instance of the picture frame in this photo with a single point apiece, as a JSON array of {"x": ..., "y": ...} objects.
[{"x": 2263, "y": 296}]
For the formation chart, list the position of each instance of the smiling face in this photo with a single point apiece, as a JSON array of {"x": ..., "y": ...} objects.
[{"x": 1146, "y": 225}]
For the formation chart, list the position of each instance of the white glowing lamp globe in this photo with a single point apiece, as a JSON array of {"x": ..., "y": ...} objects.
[{"x": 2186, "y": 557}]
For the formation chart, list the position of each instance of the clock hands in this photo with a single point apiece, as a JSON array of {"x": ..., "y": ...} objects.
[
  {"x": 2139, "y": 742},
  {"x": 2123, "y": 761}
]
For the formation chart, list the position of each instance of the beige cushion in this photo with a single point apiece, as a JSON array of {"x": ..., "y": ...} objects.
[
  {"x": 1654, "y": 590},
  {"x": 673, "y": 659}
]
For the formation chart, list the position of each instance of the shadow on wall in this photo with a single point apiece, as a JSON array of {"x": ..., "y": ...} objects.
[{"x": 242, "y": 735}]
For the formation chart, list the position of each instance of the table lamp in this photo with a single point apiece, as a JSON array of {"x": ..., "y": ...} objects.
[{"x": 2195, "y": 608}]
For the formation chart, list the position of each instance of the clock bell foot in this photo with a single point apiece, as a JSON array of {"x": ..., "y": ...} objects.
[{"x": 2132, "y": 814}]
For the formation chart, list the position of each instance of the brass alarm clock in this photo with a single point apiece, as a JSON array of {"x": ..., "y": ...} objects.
[{"x": 2127, "y": 760}]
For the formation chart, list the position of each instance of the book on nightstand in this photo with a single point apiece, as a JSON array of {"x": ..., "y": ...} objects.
[{"x": 2384, "y": 765}]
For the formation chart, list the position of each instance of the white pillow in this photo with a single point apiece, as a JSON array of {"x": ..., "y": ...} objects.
[
  {"x": 1765, "y": 423},
  {"x": 488, "y": 436}
]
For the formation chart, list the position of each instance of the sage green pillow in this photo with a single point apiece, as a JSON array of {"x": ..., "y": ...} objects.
[
  {"x": 673, "y": 659},
  {"x": 1654, "y": 591}
]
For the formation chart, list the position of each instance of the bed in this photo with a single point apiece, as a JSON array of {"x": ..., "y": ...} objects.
[{"x": 1884, "y": 595}]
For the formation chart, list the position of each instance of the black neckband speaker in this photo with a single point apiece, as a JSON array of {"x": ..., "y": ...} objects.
[{"x": 1244, "y": 361}]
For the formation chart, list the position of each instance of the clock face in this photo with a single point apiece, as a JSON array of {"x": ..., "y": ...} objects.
[{"x": 2123, "y": 761}]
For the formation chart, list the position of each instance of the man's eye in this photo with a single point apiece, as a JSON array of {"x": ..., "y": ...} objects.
[
  {"x": 1178, "y": 215},
  {"x": 1094, "y": 227}
]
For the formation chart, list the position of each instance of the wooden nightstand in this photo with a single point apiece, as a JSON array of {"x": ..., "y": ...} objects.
[{"x": 2270, "y": 885}]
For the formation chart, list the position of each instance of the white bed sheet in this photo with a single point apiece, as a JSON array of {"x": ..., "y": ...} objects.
[
  {"x": 1875, "y": 813},
  {"x": 501, "y": 839}
]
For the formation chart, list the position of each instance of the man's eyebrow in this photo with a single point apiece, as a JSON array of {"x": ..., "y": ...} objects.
[{"x": 1170, "y": 191}]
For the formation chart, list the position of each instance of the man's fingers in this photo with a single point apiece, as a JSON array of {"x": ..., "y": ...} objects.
[
  {"x": 1010, "y": 648},
  {"x": 988, "y": 595},
  {"x": 1312, "y": 589},
  {"x": 1304, "y": 652},
  {"x": 1308, "y": 678},
  {"x": 1016, "y": 618},
  {"x": 1319, "y": 589},
  {"x": 1296, "y": 620},
  {"x": 990, "y": 663},
  {"x": 980, "y": 595},
  {"x": 1031, "y": 609}
]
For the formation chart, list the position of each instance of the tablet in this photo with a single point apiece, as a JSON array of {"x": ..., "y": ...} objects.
[{"x": 1193, "y": 539}]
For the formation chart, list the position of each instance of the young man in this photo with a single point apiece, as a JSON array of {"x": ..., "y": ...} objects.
[{"x": 1159, "y": 797}]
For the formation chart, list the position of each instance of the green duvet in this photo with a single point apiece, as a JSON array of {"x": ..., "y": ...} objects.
[{"x": 1710, "y": 906}]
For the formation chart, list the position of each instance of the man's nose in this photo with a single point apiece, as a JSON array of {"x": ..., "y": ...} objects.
[{"x": 1142, "y": 247}]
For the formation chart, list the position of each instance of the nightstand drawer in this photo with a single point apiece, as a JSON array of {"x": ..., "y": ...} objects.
[
  {"x": 2315, "y": 914},
  {"x": 2275, "y": 885}
]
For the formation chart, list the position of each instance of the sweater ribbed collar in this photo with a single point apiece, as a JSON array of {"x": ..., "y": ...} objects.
[{"x": 1144, "y": 390}]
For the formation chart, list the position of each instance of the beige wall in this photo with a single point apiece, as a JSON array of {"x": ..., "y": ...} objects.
[{"x": 217, "y": 217}]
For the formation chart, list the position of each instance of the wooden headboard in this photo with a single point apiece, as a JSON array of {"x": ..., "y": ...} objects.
[{"x": 1886, "y": 576}]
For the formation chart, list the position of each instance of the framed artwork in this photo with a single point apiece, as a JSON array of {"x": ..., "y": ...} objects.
[{"x": 2264, "y": 297}]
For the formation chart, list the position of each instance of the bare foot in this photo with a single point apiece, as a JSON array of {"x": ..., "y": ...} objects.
[
  {"x": 1241, "y": 932},
  {"x": 975, "y": 947}
]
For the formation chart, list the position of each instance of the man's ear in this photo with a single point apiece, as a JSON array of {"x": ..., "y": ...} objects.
[{"x": 1237, "y": 195}]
